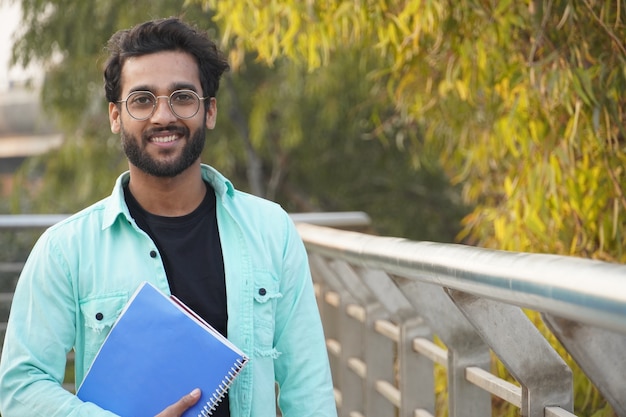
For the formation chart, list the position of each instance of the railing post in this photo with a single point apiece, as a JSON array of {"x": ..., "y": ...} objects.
[
  {"x": 465, "y": 347},
  {"x": 379, "y": 358},
  {"x": 343, "y": 334},
  {"x": 598, "y": 352},
  {"x": 545, "y": 378},
  {"x": 465, "y": 399},
  {"x": 416, "y": 379},
  {"x": 378, "y": 351},
  {"x": 417, "y": 372}
]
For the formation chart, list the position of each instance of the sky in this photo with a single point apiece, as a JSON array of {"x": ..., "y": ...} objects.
[
  {"x": 17, "y": 145},
  {"x": 9, "y": 19}
]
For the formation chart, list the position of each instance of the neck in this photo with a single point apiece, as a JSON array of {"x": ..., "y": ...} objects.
[{"x": 169, "y": 197}]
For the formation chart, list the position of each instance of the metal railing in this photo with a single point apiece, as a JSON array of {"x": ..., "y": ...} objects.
[
  {"x": 395, "y": 309},
  {"x": 383, "y": 300},
  {"x": 348, "y": 219}
]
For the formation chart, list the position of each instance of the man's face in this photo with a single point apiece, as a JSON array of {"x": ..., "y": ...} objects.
[{"x": 163, "y": 145}]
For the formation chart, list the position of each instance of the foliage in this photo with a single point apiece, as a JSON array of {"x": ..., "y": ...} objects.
[
  {"x": 522, "y": 101},
  {"x": 321, "y": 151}
]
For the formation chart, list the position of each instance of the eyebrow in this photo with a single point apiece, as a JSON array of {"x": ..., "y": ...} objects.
[{"x": 172, "y": 87}]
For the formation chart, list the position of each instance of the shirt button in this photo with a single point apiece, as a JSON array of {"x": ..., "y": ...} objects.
[
  {"x": 262, "y": 291},
  {"x": 153, "y": 254},
  {"x": 99, "y": 316}
]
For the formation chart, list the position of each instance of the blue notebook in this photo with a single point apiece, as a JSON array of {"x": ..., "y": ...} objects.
[{"x": 157, "y": 351}]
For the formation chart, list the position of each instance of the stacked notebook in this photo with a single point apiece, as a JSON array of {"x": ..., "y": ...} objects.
[{"x": 159, "y": 350}]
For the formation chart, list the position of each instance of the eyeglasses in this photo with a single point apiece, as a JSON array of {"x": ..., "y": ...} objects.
[{"x": 184, "y": 104}]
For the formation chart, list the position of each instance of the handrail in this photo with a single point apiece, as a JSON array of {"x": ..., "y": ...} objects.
[
  {"x": 348, "y": 219},
  {"x": 29, "y": 221},
  {"x": 584, "y": 290}
]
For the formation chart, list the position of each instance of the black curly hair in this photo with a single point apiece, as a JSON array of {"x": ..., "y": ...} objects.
[{"x": 170, "y": 34}]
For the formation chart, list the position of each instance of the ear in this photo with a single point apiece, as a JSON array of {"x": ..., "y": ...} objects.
[
  {"x": 114, "y": 117},
  {"x": 211, "y": 113}
]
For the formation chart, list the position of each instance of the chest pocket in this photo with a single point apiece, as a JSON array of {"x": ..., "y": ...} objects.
[
  {"x": 266, "y": 295},
  {"x": 99, "y": 315}
]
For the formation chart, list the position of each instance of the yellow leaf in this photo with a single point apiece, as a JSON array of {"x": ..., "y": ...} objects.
[
  {"x": 462, "y": 89},
  {"x": 508, "y": 187},
  {"x": 499, "y": 227}
]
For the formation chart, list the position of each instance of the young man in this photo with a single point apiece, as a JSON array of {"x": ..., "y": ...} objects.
[{"x": 234, "y": 258}]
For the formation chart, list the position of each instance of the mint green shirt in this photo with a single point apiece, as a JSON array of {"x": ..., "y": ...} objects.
[{"x": 90, "y": 264}]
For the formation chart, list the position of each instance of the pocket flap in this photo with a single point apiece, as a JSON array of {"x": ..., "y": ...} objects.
[
  {"x": 265, "y": 288},
  {"x": 102, "y": 312}
]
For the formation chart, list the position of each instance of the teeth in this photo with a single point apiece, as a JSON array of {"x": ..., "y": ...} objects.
[{"x": 164, "y": 139}]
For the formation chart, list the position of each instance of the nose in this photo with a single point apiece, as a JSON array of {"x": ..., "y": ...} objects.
[{"x": 163, "y": 113}]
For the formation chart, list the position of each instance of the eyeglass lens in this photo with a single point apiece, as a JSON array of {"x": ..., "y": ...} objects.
[{"x": 183, "y": 103}]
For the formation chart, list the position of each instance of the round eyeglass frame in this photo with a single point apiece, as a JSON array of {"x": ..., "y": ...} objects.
[{"x": 169, "y": 103}]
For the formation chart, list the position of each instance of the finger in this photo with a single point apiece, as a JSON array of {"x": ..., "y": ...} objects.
[{"x": 179, "y": 407}]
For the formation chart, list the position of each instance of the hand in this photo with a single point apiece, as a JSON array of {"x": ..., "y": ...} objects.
[{"x": 179, "y": 407}]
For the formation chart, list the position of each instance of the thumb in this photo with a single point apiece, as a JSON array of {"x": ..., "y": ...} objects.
[
  {"x": 190, "y": 399},
  {"x": 179, "y": 407}
]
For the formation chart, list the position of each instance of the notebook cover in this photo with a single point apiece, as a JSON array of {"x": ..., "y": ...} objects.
[{"x": 157, "y": 351}]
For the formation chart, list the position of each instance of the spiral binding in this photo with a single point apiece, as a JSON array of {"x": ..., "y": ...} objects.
[{"x": 216, "y": 398}]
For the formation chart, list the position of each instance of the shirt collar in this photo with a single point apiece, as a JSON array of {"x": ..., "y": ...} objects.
[{"x": 115, "y": 206}]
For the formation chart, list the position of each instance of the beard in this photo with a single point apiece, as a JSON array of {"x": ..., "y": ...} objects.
[{"x": 138, "y": 156}]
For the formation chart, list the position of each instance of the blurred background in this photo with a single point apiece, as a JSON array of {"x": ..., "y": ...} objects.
[
  {"x": 25, "y": 130},
  {"x": 323, "y": 140},
  {"x": 499, "y": 124}
]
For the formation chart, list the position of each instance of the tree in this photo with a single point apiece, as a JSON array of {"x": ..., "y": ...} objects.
[{"x": 522, "y": 101}]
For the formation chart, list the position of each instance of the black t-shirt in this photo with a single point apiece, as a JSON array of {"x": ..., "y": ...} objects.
[{"x": 192, "y": 255}]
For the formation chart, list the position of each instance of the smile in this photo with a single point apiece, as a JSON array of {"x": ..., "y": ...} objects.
[{"x": 164, "y": 139}]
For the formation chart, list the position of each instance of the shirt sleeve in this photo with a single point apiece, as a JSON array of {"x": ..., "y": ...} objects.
[
  {"x": 302, "y": 368},
  {"x": 40, "y": 333}
]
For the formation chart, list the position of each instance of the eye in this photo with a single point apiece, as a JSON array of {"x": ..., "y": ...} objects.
[
  {"x": 141, "y": 100},
  {"x": 184, "y": 97}
]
